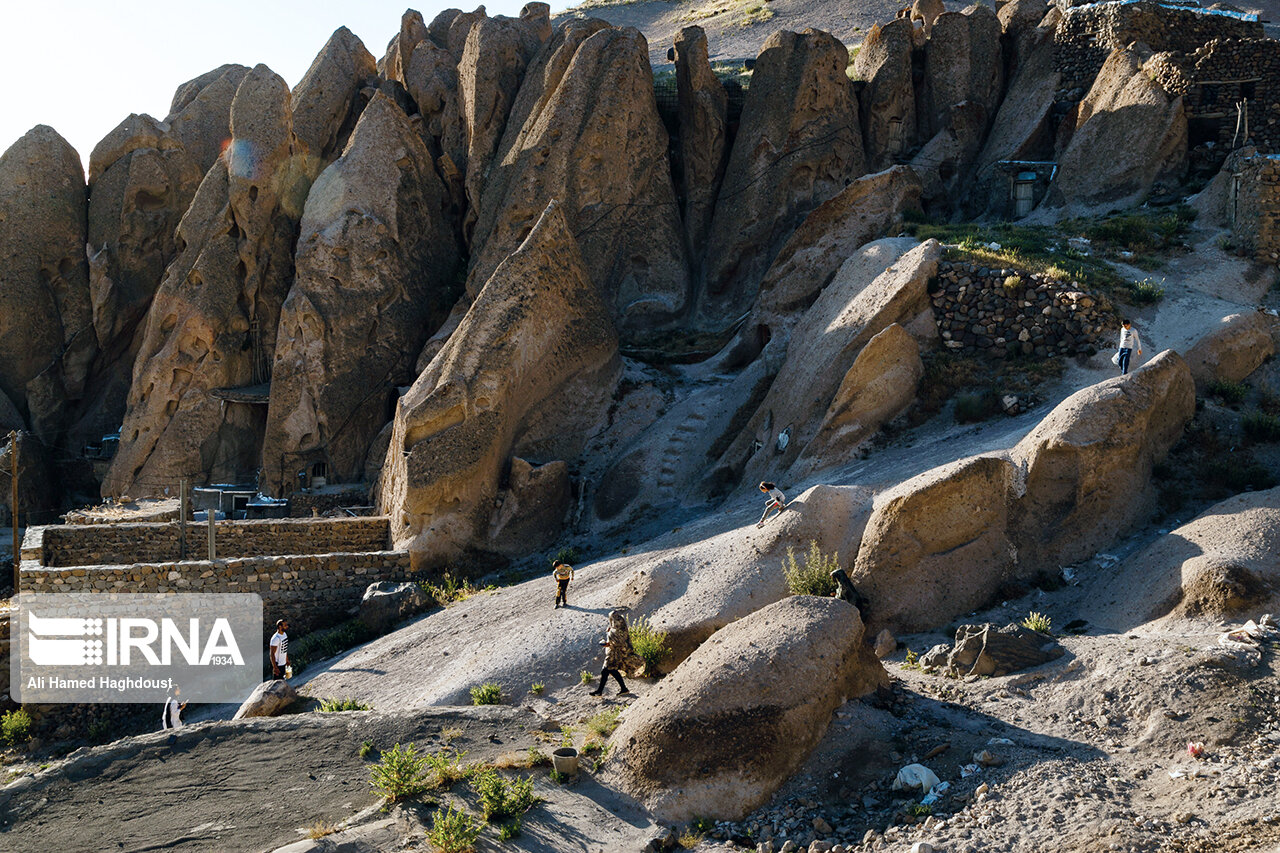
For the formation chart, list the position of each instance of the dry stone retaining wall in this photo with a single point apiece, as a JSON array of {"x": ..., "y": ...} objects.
[
  {"x": 1032, "y": 315},
  {"x": 1255, "y": 203},
  {"x": 122, "y": 544}
]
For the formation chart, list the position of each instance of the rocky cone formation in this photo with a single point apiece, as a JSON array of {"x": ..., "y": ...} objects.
[
  {"x": 704, "y": 109},
  {"x": 764, "y": 688},
  {"x": 1233, "y": 350}
]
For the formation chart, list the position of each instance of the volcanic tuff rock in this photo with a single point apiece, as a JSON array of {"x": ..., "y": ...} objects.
[
  {"x": 214, "y": 318},
  {"x": 945, "y": 163},
  {"x": 1232, "y": 350},
  {"x": 885, "y": 282},
  {"x": 529, "y": 372},
  {"x": 704, "y": 109},
  {"x": 889, "y": 99},
  {"x": 1087, "y": 465},
  {"x": 200, "y": 114},
  {"x": 375, "y": 260},
  {"x": 432, "y": 81},
  {"x": 1141, "y": 126},
  {"x": 585, "y": 131},
  {"x": 327, "y": 102},
  {"x": 765, "y": 687},
  {"x": 937, "y": 544},
  {"x": 46, "y": 321},
  {"x": 870, "y": 207},
  {"x": 927, "y": 12},
  {"x": 798, "y": 144},
  {"x": 962, "y": 63}
]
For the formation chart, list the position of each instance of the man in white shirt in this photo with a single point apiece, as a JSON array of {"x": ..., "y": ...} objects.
[
  {"x": 278, "y": 649},
  {"x": 173, "y": 708},
  {"x": 1129, "y": 341}
]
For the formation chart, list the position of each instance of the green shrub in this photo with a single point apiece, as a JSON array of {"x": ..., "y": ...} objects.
[
  {"x": 569, "y": 554},
  {"x": 329, "y": 706},
  {"x": 919, "y": 809},
  {"x": 500, "y": 798},
  {"x": 1238, "y": 472},
  {"x": 1013, "y": 282},
  {"x": 1038, "y": 622},
  {"x": 508, "y": 831},
  {"x": 1145, "y": 292},
  {"x": 488, "y": 693},
  {"x": 537, "y": 687},
  {"x": 366, "y": 748},
  {"x": 453, "y": 830},
  {"x": 1228, "y": 392},
  {"x": 538, "y": 758},
  {"x": 451, "y": 589},
  {"x": 400, "y": 774},
  {"x": 814, "y": 578},
  {"x": 446, "y": 767},
  {"x": 585, "y": 677},
  {"x": 650, "y": 644},
  {"x": 321, "y": 645},
  {"x": 15, "y": 727},
  {"x": 1261, "y": 427},
  {"x": 604, "y": 722},
  {"x": 99, "y": 731}
]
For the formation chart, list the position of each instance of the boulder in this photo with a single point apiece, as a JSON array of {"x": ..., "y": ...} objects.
[
  {"x": 529, "y": 372},
  {"x": 889, "y": 99},
  {"x": 885, "y": 644},
  {"x": 212, "y": 324},
  {"x": 267, "y": 700},
  {"x": 376, "y": 261},
  {"x": 869, "y": 208},
  {"x": 327, "y": 102},
  {"x": 585, "y": 131},
  {"x": 883, "y": 283},
  {"x": 1233, "y": 350},
  {"x": 200, "y": 115},
  {"x": 719, "y": 735},
  {"x": 538, "y": 16},
  {"x": 534, "y": 507},
  {"x": 387, "y": 603},
  {"x": 1086, "y": 467},
  {"x": 937, "y": 545},
  {"x": 46, "y": 319},
  {"x": 493, "y": 63},
  {"x": 1129, "y": 115},
  {"x": 879, "y": 386},
  {"x": 985, "y": 650},
  {"x": 963, "y": 62},
  {"x": 799, "y": 143},
  {"x": 927, "y": 12},
  {"x": 704, "y": 109}
]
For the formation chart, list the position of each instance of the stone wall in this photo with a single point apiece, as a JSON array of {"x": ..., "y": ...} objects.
[
  {"x": 1086, "y": 35},
  {"x": 1253, "y": 203},
  {"x": 1003, "y": 311},
  {"x": 123, "y": 544},
  {"x": 312, "y": 590}
]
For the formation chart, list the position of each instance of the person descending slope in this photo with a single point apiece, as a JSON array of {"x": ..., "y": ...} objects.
[
  {"x": 563, "y": 573},
  {"x": 618, "y": 654},
  {"x": 1129, "y": 341},
  {"x": 775, "y": 500}
]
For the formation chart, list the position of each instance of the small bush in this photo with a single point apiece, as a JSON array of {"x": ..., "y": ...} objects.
[
  {"x": 500, "y": 798},
  {"x": 508, "y": 831},
  {"x": 1038, "y": 622},
  {"x": 912, "y": 661},
  {"x": 538, "y": 758},
  {"x": 650, "y": 643},
  {"x": 15, "y": 727},
  {"x": 99, "y": 731},
  {"x": 401, "y": 773},
  {"x": 453, "y": 830},
  {"x": 320, "y": 829},
  {"x": 1236, "y": 473},
  {"x": 488, "y": 693},
  {"x": 1012, "y": 283},
  {"x": 689, "y": 839},
  {"x": 919, "y": 810},
  {"x": 604, "y": 722},
  {"x": 585, "y": 677},
  {"x": 366, "y": 748},
  {"x": 568, "y": 554},
  {"x": 1228, "y": 392},
  {"x": 537, "y": 688},
  {"x": 558, "y": 777},
  {"x": 1261, "y": 427},
  {"x": 814, "y": 578},
  {"x": 1145, "y": 292},
  {"x": 451, "y": 589},
  {"x": 330, "y": 706},
  {"x": 445, "y": 767}
]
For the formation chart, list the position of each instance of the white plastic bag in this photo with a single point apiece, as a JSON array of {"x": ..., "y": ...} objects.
[
  {"x": 1115, "y": 359},
  {"x": 915, "y": 776}
]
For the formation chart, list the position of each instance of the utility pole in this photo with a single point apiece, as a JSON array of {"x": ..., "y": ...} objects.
[
  {"x": 213, "y": 555},
  {"x": 13, "y": 506},
  {"x": 182, "y": 520}
]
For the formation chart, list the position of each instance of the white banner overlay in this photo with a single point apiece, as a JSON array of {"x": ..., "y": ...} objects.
[{"x": 106, "y": 647}]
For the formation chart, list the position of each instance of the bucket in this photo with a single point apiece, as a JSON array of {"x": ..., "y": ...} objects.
[{"x": 565, "y": 760}]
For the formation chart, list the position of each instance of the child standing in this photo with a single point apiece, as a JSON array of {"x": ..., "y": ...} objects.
[
  {"x": 1129, "y": 341},
  {"x": 775, "y": 500},
  {"x": 563, "y": 573}
]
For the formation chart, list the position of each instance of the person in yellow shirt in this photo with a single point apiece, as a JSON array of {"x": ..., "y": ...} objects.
[{"x": 563, "y": 573}]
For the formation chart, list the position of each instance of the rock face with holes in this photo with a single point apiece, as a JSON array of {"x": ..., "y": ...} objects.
[
  {"x": 963, "y": 62},
  {"x": 883, "y": 283},
  {"x": 889, "y": 99},
  {"x": 1141, "y": 126},
  {"x": 213, "y": 322},
  {"x": 200, "y": 114},
  {"x": 585, "y": 131},
  {"x": 719, "y": 735},
  {"x": 529, "y": 372},
  {"x": 1087, "y": 466},
  {"x": 704, "y": 110},
  {"x": 46, "y": 321},
  {"x": 327, "y": 100},
  {"x": 375, "y": 261},
  {"x": 798, "y": 145},
  {"x": 1233, "y": 350}
]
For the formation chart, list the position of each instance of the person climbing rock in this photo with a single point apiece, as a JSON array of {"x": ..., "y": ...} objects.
[
  {"x": 1129, "y": 341},
  {"x": 775, "y": 500},
  {"x": 618, "y": 653},
  {"x": 563, "y": 573}
]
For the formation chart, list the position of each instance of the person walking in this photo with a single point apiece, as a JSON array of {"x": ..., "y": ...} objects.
[
  {"x": 563, "y": 573},
  {"x": 618, "y": 654},
  {"x": 278, "y": 649},
  {"x": 173, "y": 708},
  {"x": 775, "y": 500},
  {"x": 1129, "y": 341}
]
